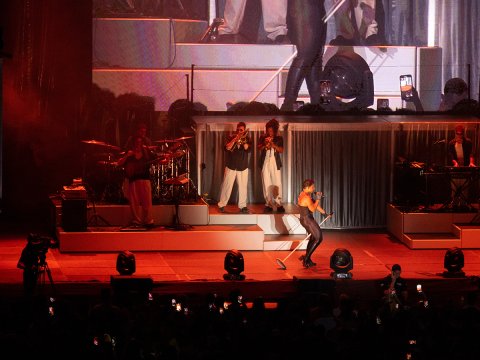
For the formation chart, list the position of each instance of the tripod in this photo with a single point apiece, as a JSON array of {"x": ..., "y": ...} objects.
[
  {"x": 34, "y": 277},
  {"x": 43, "y": 269},
  {"x": 94, "y": 218},
  {"x": 176, "y": 225}
]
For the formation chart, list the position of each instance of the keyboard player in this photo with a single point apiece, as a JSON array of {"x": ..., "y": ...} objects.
[
  {"x": 461, "y": 152},
  {"x": 460, "y": 149}
]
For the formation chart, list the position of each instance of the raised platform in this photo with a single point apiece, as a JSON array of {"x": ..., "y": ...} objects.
[
  {"x": 433, "y": 229},
  {"x": 119, "y": 214},
  {"x": 287, "y": 223},
  {"x": 212, "y": 237},
  {"x": 222, "y": 231}
]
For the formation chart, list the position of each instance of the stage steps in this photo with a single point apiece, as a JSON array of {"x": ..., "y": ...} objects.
[
  {"x": 431, "y": 240},
  {"x": 206, "y": 238},
  {"x": 208, "y": 229},
  {"x": 433, "y": 230},
  {"x": 279, "y": 242},
  {"x": 272, "y": 224},
  {"x": 469, "y": 233},
  {"x": 202, "y": 238}
]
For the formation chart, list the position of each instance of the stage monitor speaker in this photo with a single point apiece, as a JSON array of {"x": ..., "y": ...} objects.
[
  {"x": 131, "y": 287},
  {"x": 74, "y": 214}
]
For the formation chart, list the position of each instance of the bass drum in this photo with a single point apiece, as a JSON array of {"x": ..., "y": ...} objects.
[{"x": 110, "y": 186}]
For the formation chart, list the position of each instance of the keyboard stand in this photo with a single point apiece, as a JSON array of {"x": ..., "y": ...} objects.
[{"x": 459, "y": 201}]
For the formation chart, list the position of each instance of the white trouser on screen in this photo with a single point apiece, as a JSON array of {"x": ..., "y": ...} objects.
[{"x": 274, "y": 17}]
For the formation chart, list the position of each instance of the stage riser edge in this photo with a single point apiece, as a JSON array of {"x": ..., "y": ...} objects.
[
  {"x": 249, "y": 237},
  {"x": 433, "y": 230}
]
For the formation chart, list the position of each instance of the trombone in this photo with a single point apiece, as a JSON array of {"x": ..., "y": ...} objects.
[{"x": 240, "y": 139}]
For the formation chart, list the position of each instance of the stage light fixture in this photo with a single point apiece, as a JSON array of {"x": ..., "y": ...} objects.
[
  {"x": 351, "y": 79},
  {"x": 234, "y": 265},
  {"x": 126, "y": 263},
  {"x": 341, "y": 262},
  {"x": 454, "y": 263}
]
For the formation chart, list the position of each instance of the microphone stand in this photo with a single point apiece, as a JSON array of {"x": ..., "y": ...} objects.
[{"x": 211, "y": 33}]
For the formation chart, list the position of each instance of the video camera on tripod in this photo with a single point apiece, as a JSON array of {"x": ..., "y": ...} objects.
[{"x": 35, "y": 252}]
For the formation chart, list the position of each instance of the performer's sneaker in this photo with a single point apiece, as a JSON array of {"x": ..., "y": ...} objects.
[
  {"x": 280, "y": 209},
  {"x": 267, "y": 209},
  {"x": 244, "y": 210},
  {"x": 221, "y": 209}
]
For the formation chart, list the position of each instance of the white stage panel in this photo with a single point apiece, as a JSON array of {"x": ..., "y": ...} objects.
[
  {"x": 141, "y": 43},
  {"x": 213, "y": 88}
]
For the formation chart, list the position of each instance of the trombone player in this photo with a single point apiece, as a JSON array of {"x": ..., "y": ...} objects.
[{"x": 237, "y": 150}]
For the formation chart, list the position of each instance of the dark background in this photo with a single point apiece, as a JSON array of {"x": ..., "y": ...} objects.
[{"x": 46, "y": 88}]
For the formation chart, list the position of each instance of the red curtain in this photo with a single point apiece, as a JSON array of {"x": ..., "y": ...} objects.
[{"x": 46, "y": 89}]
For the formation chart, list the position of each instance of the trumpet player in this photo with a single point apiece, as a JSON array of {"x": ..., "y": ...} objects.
[
  {"x": 271, "y": 146},
  {"x": 237, "y": 149}
]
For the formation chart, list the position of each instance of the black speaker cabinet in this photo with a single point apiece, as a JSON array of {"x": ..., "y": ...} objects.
[{"x": 74, "y": 214}]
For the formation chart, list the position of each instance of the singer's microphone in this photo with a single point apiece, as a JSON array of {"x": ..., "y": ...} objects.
[{"x": 319, "y": 193}]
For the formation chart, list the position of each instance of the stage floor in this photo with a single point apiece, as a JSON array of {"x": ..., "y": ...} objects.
[{"x": 373, "y": 253}]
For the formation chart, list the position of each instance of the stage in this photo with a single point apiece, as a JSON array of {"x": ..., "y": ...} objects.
[{"x": 200, "y": 272}]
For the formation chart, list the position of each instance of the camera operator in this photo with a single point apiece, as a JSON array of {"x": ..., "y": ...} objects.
[{"x": 33, "y": 260}]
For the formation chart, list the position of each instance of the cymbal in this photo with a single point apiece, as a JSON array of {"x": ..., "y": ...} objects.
[
  {"x": 164, "y": 154},
  {"x": 184, "y": 138},
  {"x": 179, "y": 180},
  {"x": 102, "y": 144},
  {"x": 175, "y": 146},
  {"x": 107, "y": 163},
  {"x": 179, "y": 153},
  {"x": 104, "y": 154},
  {"x": 163, "y": 161},
  {"x": 164, "y": 141}
]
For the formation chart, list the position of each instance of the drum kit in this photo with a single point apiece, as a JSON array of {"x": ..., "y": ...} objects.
[
  {"x": 173, "y": 165},
  {"x": 169, "y": 173}
]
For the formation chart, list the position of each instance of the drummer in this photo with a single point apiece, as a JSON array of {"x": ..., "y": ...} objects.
[
  {"x": 136, "y": 163},
  {"x": 141, "y": 130}
]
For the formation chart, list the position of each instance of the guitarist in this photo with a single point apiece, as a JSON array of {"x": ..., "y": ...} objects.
[
  {"x": 395, "y": 289},
  {"x": 136, "y": 163}
]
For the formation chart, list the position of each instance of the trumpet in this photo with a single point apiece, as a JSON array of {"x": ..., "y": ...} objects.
[
  {"x": 240, "y": 139},
  {"x": 268, "y": 142}
]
